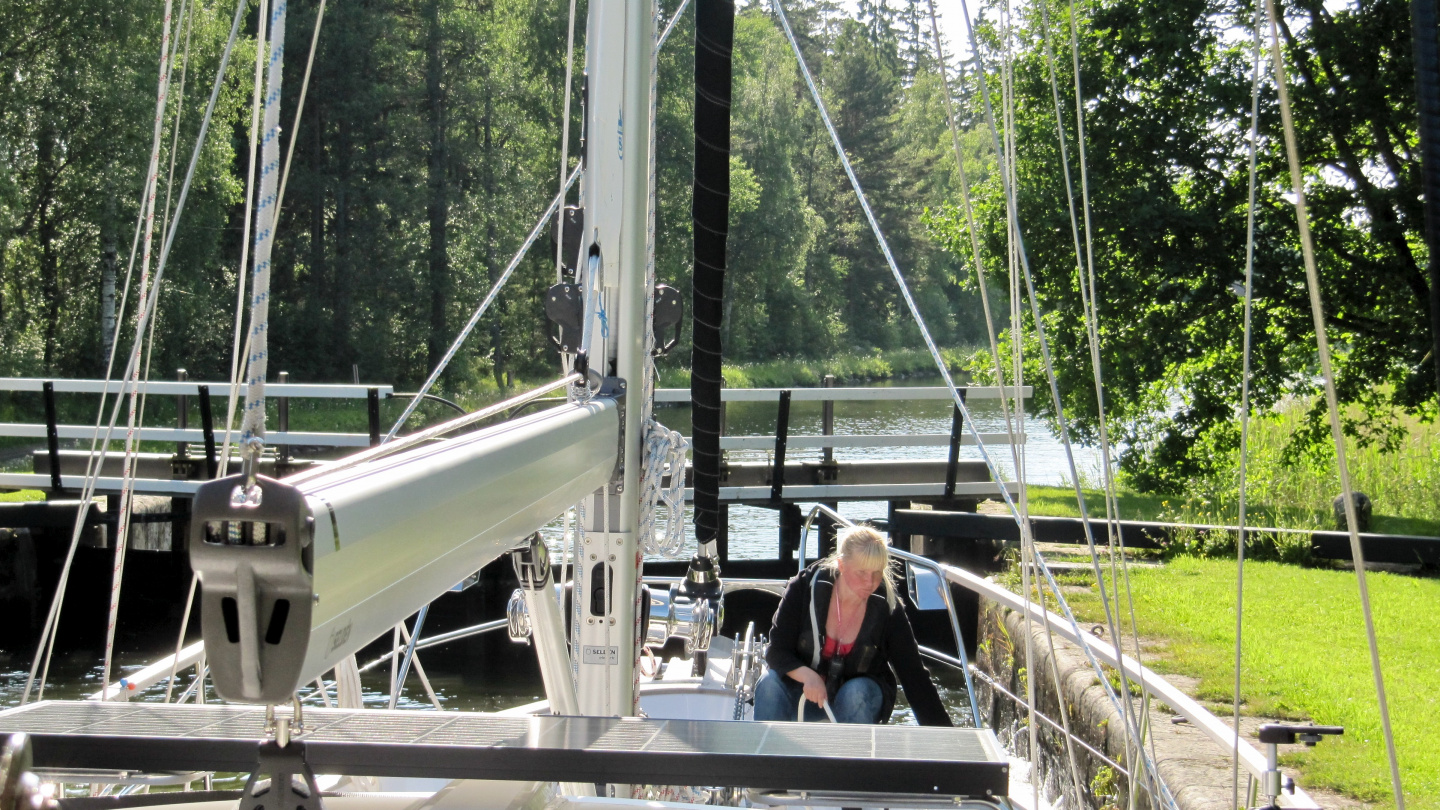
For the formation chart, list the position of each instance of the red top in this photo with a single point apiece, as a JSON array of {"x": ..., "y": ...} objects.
[{"x": 833, "y": 647}]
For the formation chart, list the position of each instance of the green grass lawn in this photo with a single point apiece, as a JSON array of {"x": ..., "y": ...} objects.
[
  {"x": 22, "y": 495},
  {"x": 1305, "y": 656}
]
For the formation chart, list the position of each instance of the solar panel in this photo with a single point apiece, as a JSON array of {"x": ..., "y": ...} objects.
[{"x": 788, "y": 756}]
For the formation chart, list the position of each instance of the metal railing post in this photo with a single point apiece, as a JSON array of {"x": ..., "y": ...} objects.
[
  {"x": 282, "y": 422},
  {"x": 182, "y": 417},
  {"x": 52, "y": 437},
  {"x": 782, "y": 435},
  {"x": 207, "y": 425}
]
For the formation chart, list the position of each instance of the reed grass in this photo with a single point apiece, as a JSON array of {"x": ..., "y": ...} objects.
[{"x": 1288, "y": 490}]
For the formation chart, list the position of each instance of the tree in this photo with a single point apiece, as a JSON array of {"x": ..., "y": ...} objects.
[{"x": 1166, "y": 91}]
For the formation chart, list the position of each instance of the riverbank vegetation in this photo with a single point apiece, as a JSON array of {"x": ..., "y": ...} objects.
[
  {"x": 1286, "y": 489},
  {"x": 1166, "y": 224},
  {"x": 1305, "y": 658}
]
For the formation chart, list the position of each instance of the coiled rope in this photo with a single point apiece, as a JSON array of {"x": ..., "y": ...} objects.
[{"x": 663, "y": 449}]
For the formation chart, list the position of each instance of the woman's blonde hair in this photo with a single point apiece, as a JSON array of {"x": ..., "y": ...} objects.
[{"x": 867, "y": 547}]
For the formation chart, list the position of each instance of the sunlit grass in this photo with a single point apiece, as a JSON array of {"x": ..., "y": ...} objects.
[{"x": 1306, "y": 657}]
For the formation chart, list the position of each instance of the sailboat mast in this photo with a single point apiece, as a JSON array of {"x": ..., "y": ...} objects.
[{"x": 620, "y": 36}]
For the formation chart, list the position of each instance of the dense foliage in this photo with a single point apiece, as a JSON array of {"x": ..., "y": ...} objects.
[
  {"x": 1166, "y": 93},
  {"x": 429, "y": 143}
]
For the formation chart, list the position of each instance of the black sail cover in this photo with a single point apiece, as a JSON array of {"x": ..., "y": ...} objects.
[{"x": 714, "y": 38}]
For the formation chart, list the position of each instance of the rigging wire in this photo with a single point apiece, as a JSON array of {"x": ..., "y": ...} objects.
[
  {"x": 1257, "y": 61},
  {"x": 944, "y": 370},
  {"x": 187, "y": 18},
  {"x": 1337, "y": 434},
  {"x": 300, "y": 107},
  {"x": 565, "y": 144},
  {"x": 484, "y": 305},
  {"x": 1089, "y": 300},
  {"x": 899, "y": 277},
  {"x": 143, "y": 315},
  {"x": 983, "y": 287},
  {"x": 146, "y": 290},
  {"x": 1127, "y": 707},
  {"x": 1027, "y": 545}
]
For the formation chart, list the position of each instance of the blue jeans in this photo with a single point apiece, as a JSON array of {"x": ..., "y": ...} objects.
[{"x": 858, "y": 701}]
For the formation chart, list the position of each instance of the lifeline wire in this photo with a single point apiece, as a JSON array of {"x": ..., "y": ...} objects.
[
  {"x": 1322, "y": 342},
  {"x": 484, "y": 305},
  {"x": 143, "y": 316},
  {"x": 252, "y": 430},
  {"x": 1245, "y": 395},
  {"x": 934, "y": 351}
]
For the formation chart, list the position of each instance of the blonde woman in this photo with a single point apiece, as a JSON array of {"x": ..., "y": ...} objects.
[{"x": 841, "y": 637}]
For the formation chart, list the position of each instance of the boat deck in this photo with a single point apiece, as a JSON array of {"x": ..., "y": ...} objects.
[{"x": 794, "y": 756}]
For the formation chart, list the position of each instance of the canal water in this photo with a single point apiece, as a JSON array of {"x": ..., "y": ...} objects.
[
  {"x": 753, "y": 535},
  {"x": 753, "y": 531}
]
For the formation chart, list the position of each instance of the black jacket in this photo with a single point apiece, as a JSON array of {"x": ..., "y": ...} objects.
[{"x": 884, "y": 648}]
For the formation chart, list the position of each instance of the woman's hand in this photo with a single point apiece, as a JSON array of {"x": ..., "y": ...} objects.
[{"x": 815, "y": 690}]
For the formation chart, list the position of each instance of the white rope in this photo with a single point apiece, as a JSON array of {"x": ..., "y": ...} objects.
[
  {"x": 670, "y": 26},
  {"x": 484, "y": 305},
  {"x": 252, "y": 429},
  {"x": 238, "y": 366},
  {"x": 800, "y": 713},
  {"x": 143, "y": 316},
  {"x": 1245, "y": 394},
  {"x": 665, "y": 453},
  {"x": 1337, "y": 433}
]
